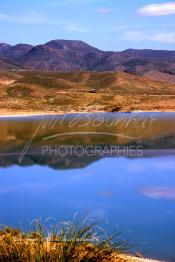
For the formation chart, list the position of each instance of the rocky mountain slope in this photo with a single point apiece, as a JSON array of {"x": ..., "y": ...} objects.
[
  {"x": 67, "y": 55},
  {"x": 8, "y": 64},
  {"x": 14, "y": 52}
]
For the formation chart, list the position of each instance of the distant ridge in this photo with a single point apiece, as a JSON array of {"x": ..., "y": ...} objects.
[{"x": 73, "y": 55}]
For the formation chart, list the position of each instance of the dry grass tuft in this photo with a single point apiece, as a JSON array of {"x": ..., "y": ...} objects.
[{"x": 68, "y": 242}]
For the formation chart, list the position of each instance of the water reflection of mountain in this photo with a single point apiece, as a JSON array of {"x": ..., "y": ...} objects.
[
  {"x": 153, "y": 133},
  {"x": 70, "y": 161}
]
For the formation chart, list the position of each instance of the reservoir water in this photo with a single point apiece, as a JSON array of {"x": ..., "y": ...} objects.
[{"x": 119, "y": 168}]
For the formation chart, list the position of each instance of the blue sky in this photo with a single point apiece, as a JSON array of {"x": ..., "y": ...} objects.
[{"x": 105, "y": 24}]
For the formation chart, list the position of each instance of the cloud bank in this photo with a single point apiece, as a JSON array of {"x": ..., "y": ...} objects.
[{"x": 164, "y": 37}]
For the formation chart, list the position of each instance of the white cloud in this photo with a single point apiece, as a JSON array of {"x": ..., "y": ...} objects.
[
  {"x": 69, "y": 2},
  {"x": 29, "y": 18},
  {"x": 164, "y": 37},
  {"x": 37, "y": 18},
  {"x": 158, "y": 9},
  {"x": 104, "y": 10},
  {"x": 75, "y": 27},
  {"x": 134, "y": 36}
]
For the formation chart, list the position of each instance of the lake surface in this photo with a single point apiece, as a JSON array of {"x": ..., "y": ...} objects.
[{"x": 119, "y": 168}]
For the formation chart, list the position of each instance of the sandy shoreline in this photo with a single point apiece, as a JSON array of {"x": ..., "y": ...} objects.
[
  {"x": 26, "y": 114},
  {"x": 137, "y": 259},
  {"x": 4, "y": 114}
]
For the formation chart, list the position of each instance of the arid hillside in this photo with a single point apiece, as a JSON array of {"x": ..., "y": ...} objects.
[{"x": 54, "y": 92}]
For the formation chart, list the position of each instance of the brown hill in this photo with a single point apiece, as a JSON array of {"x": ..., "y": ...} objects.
[
  {"x": 163, "y": 77},
  {"x": 54, "y": 92}
]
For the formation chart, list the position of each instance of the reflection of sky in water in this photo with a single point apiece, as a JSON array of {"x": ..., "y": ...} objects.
[{"x": 118, "y": 191}]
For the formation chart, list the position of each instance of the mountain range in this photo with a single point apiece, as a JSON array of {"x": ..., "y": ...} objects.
[{"x": 69, "y": 55}]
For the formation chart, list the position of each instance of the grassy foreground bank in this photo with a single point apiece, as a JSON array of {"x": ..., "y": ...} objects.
[
  {"x": 68, "y": 241},
  {"x": 64, "y": 242}
]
